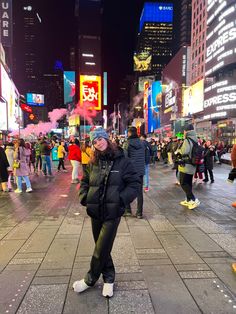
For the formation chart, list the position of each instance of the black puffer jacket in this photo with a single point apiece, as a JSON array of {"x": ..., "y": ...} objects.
[
  {"x": 107, "y": 186},
  {"x": 136, "y": 152}
]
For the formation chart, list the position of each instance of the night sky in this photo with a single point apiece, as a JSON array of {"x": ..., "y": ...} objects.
[{"x": 120, "y": 26}]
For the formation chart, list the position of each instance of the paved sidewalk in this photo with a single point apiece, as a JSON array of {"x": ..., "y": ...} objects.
[{"x": 173, "y": 261}]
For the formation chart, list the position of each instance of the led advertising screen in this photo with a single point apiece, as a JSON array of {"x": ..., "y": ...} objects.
[
  {"x": 150, "y": 79},
  {"x": 35, "y": 99},
  {"x": 90, "y": 91},
  {"x": 8, "y": 92},
  {"x": 69, "y": 89},
  {"x": 3, "y": 116},
  {"x": 142, "y": 62},
  {"x": 221, "y": 35},
  {"x": 154, "y": 103},
  {"x": 156, "y": 12},
  {"x": 193, "y": 99}
]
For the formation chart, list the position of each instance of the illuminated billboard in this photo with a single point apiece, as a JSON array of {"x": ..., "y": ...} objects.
[
  {"x": 193, "y": 99},
  {"x": 3, "y": 116},
  {"x": 142, "y": 62},
  {"x": 35, "y": 99},
  {"x": 142, "y": 79},
  {"x": 69, "y": 89},
  {"x": 221, "y": 35},
  {"x": 156, "y": 12},
  {"x": 154, "y": 103},
  {"x": 90, "y": 91},
  {"x": 8, "y": 92}
]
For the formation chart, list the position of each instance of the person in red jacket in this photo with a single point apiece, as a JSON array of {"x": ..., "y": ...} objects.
[{"x": 75, "y": 158}]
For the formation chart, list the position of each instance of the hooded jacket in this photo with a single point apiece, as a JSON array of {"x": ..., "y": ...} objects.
[
  {"x": 107, "y": 186},
  {"x": 186, "y": 149},
  {"x": 135, "y": 150}
]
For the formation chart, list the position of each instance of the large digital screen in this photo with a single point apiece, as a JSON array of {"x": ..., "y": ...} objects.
[
  {"x": 69, "y": 89},
  {"x": 221, "y": 35},
  {"x": 193, "y": 99},
  {"x": 142, "y": 62},
  {"x": 156, "y": 12},
  {"x": 3, "y": 116},
  {"x": 154, "y": 103},
  {"x": 35, "y": 99},
  {"x": 9, "y": 95},
  {"x": 90, "y": 91},
  {"x": 142, "y": 79}
]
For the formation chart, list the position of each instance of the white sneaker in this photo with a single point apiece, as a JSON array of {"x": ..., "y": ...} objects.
[
  {"x": 29, "y": 190},
  {"x": 80, "y": 286},
  {"x": 18, "y": 191},
  {"x": 193, "y": 204},
  {"x": 107, "y": 290},
  {"x": 184, "y": 203}
]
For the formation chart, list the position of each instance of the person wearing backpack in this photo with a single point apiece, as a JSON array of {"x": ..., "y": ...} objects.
[
  {"x": 198, "y": 177},
  {"x": 148, "y": 157},
  {"x": 187, "y": 166}
]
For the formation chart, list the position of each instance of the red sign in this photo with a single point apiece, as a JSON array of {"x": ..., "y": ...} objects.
[
  {"x": 26, "y": 108},
  {"x": 90, "y": 91}
]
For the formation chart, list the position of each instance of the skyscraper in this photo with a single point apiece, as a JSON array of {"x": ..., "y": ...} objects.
[
  {"x": 155, "y": 38},
  {"x": 89, "y": 13},
  {"x": 27, "y": 46},
  {"x": 198, "y": 40},
  {"x": 185, "y": 22}
]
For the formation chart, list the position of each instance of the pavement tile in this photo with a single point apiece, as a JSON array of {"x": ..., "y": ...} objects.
[
  {"x": 88, "y": 302},
  {"x": 7, "y": 250},
  {"x": 44, "y": 299},
  {"x": 51, "y": 280},
  {"x": 138, "y": 302},
  {"x": 13, "y": 287},
  {"x": 128, "y": 269},
  {"x": 226, "y": 241},
  {"x": 130, "y": 285},
  {"x": 53, "y": 272},
  {"x": 178, "y": 250},
  {"x": 152, "y": 256},
  {"x": 218, "y": 260},
  {"x": 22, "y": 231},
  {"x": 144, "y": 238},
  {"x": 138, "y": 276},
  {"x": 188, "y": 267},
  {"x": 207, "y": 225},
  {"x": 167, "y": 290},
  {"x": 154, "y": 262},
  {"x": 224, "y": 272},
  {"x": 30, "y": 255},
  {"x": 123, "y": 253},
  {"x": 197, "y": 274},
  {"x": 60, "y": 254},
  {"x": 214, "y": 254},
  {"x": 4, "y": 232},
  {"x": 160, "y": 223},
  {"x": 209, "y": 298},
  {"x": 21, "y": 261},
  {"x": 199, "y": 240}
]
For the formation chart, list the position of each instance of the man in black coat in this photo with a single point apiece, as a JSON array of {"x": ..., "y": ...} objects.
[{"x": 135, "y": 150}]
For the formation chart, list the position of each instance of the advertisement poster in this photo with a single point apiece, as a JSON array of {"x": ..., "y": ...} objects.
[
  {"x": 90, "y": 91},
  {"x": 69, "y": 89},
  {"x": 35, "y": 99},
  {"x": 154, "y": 103},
  {"x": 193, "y": 99}
]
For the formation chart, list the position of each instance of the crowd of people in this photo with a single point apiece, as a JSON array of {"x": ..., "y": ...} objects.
[{"x": 115, "y": 172}]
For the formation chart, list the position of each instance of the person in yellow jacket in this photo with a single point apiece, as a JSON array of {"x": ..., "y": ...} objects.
[
  {"x": 86, "y": 154},
  {"x": 61, "y": 152}
]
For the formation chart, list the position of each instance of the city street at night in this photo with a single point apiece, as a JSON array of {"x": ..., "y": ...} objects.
[{"x": 175, "y": 260}]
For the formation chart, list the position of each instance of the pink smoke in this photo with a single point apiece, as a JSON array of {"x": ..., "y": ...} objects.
[{"x": 86, "y": 112}]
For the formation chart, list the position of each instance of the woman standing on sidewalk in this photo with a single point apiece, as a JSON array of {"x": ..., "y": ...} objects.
[
  {"x": 22, "y": 154},
  {"x": 109, "y": 183},
  {"x": 74, "y": 155},
  {"x": 86, "y": 154}
]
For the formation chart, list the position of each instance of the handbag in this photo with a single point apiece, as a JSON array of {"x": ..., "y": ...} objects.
[{"x": 16, "y": 162}]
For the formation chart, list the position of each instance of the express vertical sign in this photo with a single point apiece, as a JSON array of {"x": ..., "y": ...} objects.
[{"x": 6, "y": 22}]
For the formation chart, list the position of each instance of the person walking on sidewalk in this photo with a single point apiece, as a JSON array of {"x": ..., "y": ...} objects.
[
  {"x": 109, "y": 182},
  {"x": 74, "y": 155},
  {"x": 135, "y": 150},
  {"x": 61, "y": 152},
  {"x": 232, "y": 174},
  {"x": 148, "y": 157},
  {"x": 209, "y": 154},
  {"x": 86, "y": 153},
  {"x": 46, "y": 160},
  {"x": 186, "y": 168},
  {"x": 4, "y": 164}
]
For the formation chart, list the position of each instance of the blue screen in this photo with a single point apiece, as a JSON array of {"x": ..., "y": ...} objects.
[
  {"x": 35, "y": 99},
  {"x": 154, "y": 103},
  {"x": 156, "y": 12}
]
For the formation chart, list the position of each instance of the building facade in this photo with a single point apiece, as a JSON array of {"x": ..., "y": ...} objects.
[
  {"x": 198, "y": 40},
  {"x": 185, "y": 22},
  {"x": 155, "y": 39}
]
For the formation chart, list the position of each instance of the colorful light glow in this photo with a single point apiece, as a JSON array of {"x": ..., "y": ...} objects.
[{"x": 90, "y": 91}]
